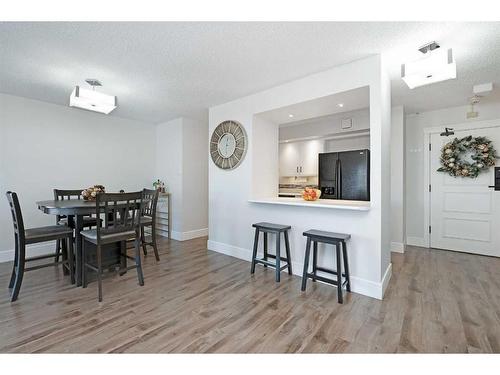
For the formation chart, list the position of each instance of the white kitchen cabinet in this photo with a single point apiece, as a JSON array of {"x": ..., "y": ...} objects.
[{"x": 300, "y": 158}]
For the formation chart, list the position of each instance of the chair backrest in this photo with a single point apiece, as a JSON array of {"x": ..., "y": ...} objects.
[
  {"x": 17, "y": 216},
  {"x": 61, "y": 195},
  {"x": 122, "y": 212},
  {"x": 150, "y": 198}
]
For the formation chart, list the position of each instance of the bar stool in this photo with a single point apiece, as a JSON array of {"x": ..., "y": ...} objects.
[
  {"x": 277, "y": 229},
  {"x": 337, "y": 239}
]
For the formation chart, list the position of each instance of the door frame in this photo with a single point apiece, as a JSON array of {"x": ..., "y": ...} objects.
[{"x": 472, "y": 125}]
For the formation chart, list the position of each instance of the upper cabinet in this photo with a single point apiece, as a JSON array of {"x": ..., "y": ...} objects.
[{"x": 300, "y": 158}]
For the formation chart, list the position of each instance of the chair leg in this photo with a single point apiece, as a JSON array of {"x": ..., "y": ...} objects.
[
  {"x": 306, "y": 264},
  {"x": 254, "y": 254},
  {"x": 278, "y": 256},
  {"x": 346, "y": 267},
  {"x": 339, "y": 275},
  {"x": 58, "y": 250},
  {"x": 64, "y": 255},
  {"x": 155, "y": 246},
  {"x": 99, "y": 272},
  {"x": 143, "y": 241},
  {"x": 315, "y": 260},
  {"x": 71, "y": 261},
  {"x": 14, "y": 267},
  {"x": 265, "y": 248},
  {"x": 84, "y": 264},
  {"x": 288, "y": 257},
  {"x": 19, "y": 272},
  {"x": 138, "y": 263}
]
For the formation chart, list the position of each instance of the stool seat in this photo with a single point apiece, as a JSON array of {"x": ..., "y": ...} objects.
[
  {"x": 271, "y": 227},
  {"x": 320, "y": 234}
]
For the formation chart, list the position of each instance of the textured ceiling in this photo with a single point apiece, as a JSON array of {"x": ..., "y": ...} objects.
[{"x": 160, "y": 71}]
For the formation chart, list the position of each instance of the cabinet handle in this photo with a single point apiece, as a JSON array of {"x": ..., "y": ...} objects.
[
  {"x": 301, "y": 169},
  {"x": 297, "y": 169}
]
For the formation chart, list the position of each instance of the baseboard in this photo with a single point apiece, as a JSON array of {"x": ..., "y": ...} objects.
[
  {"x": 416, "y": 241},
  {"x": 398, "y": 247},
  {"x": 31, "y": 250},
  {"x": 358, "y": 285},
  {"x": 386, "y": 279},
  {"x": 189, "y": 235}
]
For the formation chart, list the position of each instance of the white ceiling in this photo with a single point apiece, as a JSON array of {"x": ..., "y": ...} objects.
[
  {"x": 350, "y": 100},
  {"x": 160, "y": 71}
]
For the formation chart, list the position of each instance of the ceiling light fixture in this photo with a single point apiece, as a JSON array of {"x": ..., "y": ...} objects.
[
  {"x": 290, "y": 115},
  {"x": 340, "y": 105},
  {"x": 92, "y": 100},
  {"x": 437, "y": 65}
]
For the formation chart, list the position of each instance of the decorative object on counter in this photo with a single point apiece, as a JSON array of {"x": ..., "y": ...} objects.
[
  {"x": 480, "y": 150},
  {"x": 160, "y": 186},
  {"x": 90, "y": 193},
  {"x": 310, "y": 194},
  {"x": 228, "y": 145}
]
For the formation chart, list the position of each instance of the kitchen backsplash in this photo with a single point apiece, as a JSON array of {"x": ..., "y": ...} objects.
[{"x": 298, "y": 182}]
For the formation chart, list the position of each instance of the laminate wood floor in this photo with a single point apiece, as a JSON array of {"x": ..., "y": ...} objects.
[{"x": 196, "y": 300}]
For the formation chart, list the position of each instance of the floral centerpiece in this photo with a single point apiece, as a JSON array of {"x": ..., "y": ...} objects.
[
  {"x": 90, "y": 193},
  {"x": 481, "y": 152},
  {"x": 310, "y": 194}
]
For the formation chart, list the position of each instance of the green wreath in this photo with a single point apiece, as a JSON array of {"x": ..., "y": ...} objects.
[{"x": 482, "y": 153}]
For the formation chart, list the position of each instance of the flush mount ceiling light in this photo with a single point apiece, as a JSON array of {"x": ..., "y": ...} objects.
[
  {"x": 92, "y": 100},
  {"x": 290, "y": 115},
  {"x": 340, "y": 105},
  {"x": 435, "y": 66}
]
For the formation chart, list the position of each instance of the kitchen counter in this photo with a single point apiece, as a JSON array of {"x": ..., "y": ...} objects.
[{"x": 323, "y": 203}]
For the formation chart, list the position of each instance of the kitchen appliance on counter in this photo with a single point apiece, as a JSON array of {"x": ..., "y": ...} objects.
[{"x": 345, "y": 175}]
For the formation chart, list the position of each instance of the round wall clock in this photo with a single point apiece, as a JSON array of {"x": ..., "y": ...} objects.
[{"x": 228, "y": 144}]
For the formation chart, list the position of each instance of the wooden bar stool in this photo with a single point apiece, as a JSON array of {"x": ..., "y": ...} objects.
[
  {"x": 276, "y": 229},
  {"x": 337, "y": 239}
]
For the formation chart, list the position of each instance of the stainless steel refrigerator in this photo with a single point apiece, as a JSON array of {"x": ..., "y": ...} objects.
[{"x": 345, "y": 175}]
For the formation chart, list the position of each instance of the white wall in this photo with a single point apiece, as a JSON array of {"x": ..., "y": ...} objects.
[
  {"x": 231, "y": 215},
  {"x": 415, "y": 125},
  {"x": 347, "y": 144},
  {"x": 398, "y": 206},
  {"x": 45, "y": 146},
  {"x": 169, "y": 153},
  {"x": 182, "y": 163}
]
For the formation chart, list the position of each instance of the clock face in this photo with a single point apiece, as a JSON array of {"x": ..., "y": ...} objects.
[{"x": 228, "y": 145}]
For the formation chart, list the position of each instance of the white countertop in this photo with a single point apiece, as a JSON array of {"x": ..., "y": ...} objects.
[{"x": 324, "y": 203}]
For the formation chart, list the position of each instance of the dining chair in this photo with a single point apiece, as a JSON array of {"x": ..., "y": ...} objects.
[
  {"x": 148, "y": 219},
  {"x": 61, "y": 195},
  {"x": 23, "y": 237},
  {"x": 122, "y": 220}
]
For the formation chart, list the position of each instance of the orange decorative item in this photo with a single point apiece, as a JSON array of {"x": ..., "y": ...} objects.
[{"x": 310, "y": 194}]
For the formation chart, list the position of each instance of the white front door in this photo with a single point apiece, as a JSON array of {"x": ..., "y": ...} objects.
[{"x": 464, "y": 211}]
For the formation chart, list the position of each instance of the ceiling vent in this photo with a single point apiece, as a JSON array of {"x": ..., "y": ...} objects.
[
  {"x": 435, "y": 66},
  {"x": 92, "y": 100}
]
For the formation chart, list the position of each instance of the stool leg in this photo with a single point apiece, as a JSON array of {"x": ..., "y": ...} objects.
[
  {"x": 288, "y": 258},
  {"x": 254, "y": 254},
  {"x": 346, "y": 267},
  {"x": 339, "y": 274},
  {"x": 315, "y": 259},
  {"x": 278, "y": 257},
  {"x": 265, "y": 248},
  {"x": 306, "y": 264}
]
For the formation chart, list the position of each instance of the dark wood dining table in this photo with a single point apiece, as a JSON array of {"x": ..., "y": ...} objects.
[{"x": 75, "y": 210}]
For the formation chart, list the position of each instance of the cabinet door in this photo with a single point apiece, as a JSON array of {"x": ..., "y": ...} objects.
[
  {"x": 309, "y": 151},
  {"x": 289, "y": 158}
]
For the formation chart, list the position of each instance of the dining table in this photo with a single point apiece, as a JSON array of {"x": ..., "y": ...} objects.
[{"x": 75, "y": 210}]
